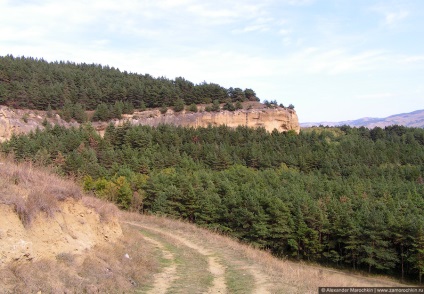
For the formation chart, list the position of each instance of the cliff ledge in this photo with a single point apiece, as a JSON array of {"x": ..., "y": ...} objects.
[{"x": 17, "y": 121}]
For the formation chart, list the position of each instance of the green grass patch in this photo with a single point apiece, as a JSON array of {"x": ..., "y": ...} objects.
[{"x": 192, "y": 267}]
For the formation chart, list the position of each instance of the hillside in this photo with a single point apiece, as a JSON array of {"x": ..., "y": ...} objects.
[
  {"x": 310, "y": 196},
  {"x": 52, "y": 236},
  {"x": 411, "y": 119},
  {"x": 54, "y": 239}
]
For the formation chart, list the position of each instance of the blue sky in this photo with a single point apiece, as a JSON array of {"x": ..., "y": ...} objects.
[{"x": 333, "y": 59}]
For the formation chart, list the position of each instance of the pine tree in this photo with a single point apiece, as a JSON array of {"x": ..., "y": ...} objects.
[
  {"x": 102, "y": 113},
  {"x": 178, "y": 105}
]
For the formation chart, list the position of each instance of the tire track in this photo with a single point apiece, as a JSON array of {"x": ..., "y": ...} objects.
[
  {"x": 163, "y": 280},
  {"x": 214, "y": 266}
]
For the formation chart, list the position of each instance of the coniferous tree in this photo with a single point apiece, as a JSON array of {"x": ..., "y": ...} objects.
[
  {"x": 215, "y": 106},
  {"x": 179, "y": 105},
  {"x": 79, "y": 113},
  {"x": 102, "y": 112}
]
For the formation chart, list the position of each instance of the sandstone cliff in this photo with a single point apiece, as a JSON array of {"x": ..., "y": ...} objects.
[
  {"x": 23, "y": 121},
  {"x": 20, "y": 121},
  {"x": 279, "y": 118}
]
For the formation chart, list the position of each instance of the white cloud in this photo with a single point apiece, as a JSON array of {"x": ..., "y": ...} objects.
[
  {"x": 223, "y": 15},
  {"x": 284, "y": 32},
  {"x": 252, "y": 28},
  {"x": 393, "y": 14},
  {"x": 412, "y": 59},
  {"x": 393, "y": 18},
  {"x": 315, "y": 61}
]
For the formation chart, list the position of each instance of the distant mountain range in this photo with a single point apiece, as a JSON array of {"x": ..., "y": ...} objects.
[{"x": 411, "y": 119}]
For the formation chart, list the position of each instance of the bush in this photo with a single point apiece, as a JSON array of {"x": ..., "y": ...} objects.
[
  {"x": 25, "y": 118},
  {"x": 239, "y": 105},
  {"x": 163, "y": 109},
  {"x": 229, "y": 106},
  {"x": 192, "y": 108}
]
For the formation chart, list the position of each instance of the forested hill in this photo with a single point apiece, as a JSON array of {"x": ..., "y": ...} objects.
[{"x": 27, "y": 82}]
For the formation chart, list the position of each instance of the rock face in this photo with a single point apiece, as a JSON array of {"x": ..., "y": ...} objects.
[
  {"x": 4, "y": 126},
  {"x": 280, "y": 119},
  {"x": 19, "y": 121},
  {"x": 16, "y": 121}
]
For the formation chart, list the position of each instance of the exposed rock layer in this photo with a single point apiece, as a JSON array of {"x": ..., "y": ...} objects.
[
  {"x": 16, "y": 121},
  {"x": 280, "y": 119}
]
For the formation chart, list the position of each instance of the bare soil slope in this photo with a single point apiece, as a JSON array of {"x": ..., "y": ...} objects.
[{"x": 54, "y": 239}]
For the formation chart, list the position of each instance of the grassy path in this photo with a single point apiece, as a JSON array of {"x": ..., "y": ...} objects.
[
  {"x": 214, "y": 284},
  {"x": 164, "y": 279}
]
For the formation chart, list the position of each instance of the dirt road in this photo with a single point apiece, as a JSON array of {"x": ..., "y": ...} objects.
[{"x": 195, "y": 260}]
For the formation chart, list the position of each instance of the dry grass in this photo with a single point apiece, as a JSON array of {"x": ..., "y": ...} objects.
[
  {"x": 106, "y": 210},
  {"x": 104, "y": 269},
  {"x": 31, "y": 191}
]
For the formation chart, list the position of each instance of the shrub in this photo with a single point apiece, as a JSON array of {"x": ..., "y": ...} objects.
[
  {"x": 239, "y": 105},
  {"x": 163, "y": 109},
  {"x": 229, "y": 106},
  {"x": 192, "y": 108},
  {"x": 25, "y": 118}
]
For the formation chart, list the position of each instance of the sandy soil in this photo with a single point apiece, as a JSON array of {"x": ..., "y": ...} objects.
[{"x": 74, "y": 228}]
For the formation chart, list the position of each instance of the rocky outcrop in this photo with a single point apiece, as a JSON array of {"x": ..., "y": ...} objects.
[
  {"x": 20, "y": 121},
  {"x": 281, "y": 119},
  {"x": 17, "y": 121},
  {"x": 5, "y": 129}
]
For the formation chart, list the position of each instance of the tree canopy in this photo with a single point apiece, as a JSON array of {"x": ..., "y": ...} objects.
[{"x": 27, "y": 82}]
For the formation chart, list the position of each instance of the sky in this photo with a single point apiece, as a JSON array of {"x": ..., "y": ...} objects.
[{"x": 332, "y": 59}]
